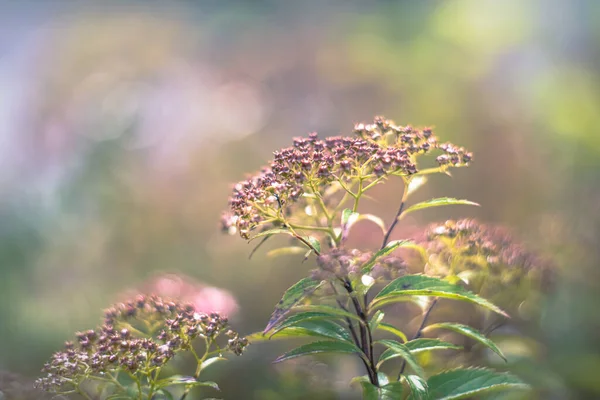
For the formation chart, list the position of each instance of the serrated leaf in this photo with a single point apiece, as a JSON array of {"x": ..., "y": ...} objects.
[
  {"x": 469, "y": 332},
  {"x": 418, "y": 387},
  {"x": 466, "y": 383},
  {"x": 422, "y": 344},
  {"x": 321, "y": 347},
  {"x": 389, "y": 248},
  {"x": 421, "y": 285},
  {"x": 332, "y": 311},
  {"x": 369, "y": 391},
  {"x": 391, "y": 391},
  {"x": 387, "y": 391},
  {"x": 286, "y": 250},
  {"x": 404, "y": 352},
  {"x": 321, "y": 328},
  {"x": 188, "y": 381},
  {"x": 290, "y": 298},
  {"x": 441, "y": 201},
  {"x": 392, "y": 329},
  {"x": 418, "y": 346}
]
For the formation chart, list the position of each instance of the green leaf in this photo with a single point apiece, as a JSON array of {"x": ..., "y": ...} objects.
[
  {"x": 346, "y": 216},
  {"x": 321, "y": 347},
  {"x": 321, "y": 328},
  {"x": 392, "y": 329},
  {"x": 421, "y": 285},
  {"x": 166, "y": 394},
  {"x": 403, "y": 352},
  {"x": 271, "y": 232},
  {"x": 442, "y": 201},
  {"x": 290, "y": 298},
  {"x": 466, "y": 383},
  {"x": 418, "y": 387},
  {"x": 302, "y": 316},
  {"x": 376, "y": 320},
  {"x": 314, "y": 242},
  {"x": 415, "y": 183},
  {"x": 286, "y": 250},
  {"x": 391, "y": 391},
  {"x": 387, "y": 391},
  {"x": 469, "y": 332},
  {"x": 389, "y": 248},
  {"x": 370, "y": 391},
  {"x": 332, "y": 311},
  {"x": 211, "y": 361},
  {"x": 188, "y": 381},
  {"x": 419, "y": 345}
]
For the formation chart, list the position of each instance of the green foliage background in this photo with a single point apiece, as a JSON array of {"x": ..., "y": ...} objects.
[{"x": 122, "y": 128}]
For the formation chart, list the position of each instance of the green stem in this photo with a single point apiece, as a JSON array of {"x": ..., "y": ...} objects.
[
  {"x": 386, "y": 238},
  {"x": 418, "y": 333},
  {"x": 358, "y": 194}
]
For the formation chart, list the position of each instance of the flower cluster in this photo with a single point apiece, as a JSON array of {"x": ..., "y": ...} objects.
[
  {"x": 486, "y": 257},
  {"x": 312, "y": 165},
  {"x": 118, "y": 345},
  {"x": 341, "y": 263}
]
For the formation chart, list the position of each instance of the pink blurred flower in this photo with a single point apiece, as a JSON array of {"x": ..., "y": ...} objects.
[{"x": 204, "y": 298}]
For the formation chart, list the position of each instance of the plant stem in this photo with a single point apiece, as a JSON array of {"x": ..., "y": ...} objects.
[
  {"x": 419, "y": 332},
  {"x": 386, "y": 238},
  {"x": 366, "y": 339},
  {"x": 348, "y": 321}
]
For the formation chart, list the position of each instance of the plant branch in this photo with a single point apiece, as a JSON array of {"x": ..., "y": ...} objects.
[
  {"x": 419, "y": 332},
  {"x": 365, "y": 334},
  {"x": 386, "y": 238}
]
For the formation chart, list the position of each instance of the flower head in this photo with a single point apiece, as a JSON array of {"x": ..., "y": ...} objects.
[
  {"x": 145, "y": 331},
  {"x": 314, "y": 168},
  {"x": 486, "y": 257}
]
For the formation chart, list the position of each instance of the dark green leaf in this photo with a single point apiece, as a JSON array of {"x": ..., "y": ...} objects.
[
  {"x": 389, "y": 248},
  {"x": 421, "y": 285},
  {"x": 387, "y": 391},
  {"x": 419, "y": 345},
  {"x": 188, "y": 381},
  {"x": 404, "y": 352},
  {"x": 321, "y": 328},
  {"x": 392, "y": 329},
  {"x": 302, "y": 316},
  {"x": 442, "y": 201},
  {"x": 469, "y": 332},
  {"x": 321, "y": 347},
  {"x": 333, "y": 311},
  {"x": 470, "y": 382},
  {"x": 391, "y": 391},
  {"x": 418, "y": 387},
  {"x": 290, "y": 298}
]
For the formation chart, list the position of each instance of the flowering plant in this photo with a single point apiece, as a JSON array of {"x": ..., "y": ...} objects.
[
  {"x": 126, "y": 356},
  {"x": 312, "y": 192}
]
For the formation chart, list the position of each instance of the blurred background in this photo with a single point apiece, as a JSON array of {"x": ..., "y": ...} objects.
[{"x": 123, "y": 126}]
